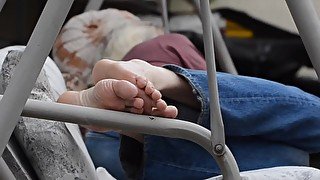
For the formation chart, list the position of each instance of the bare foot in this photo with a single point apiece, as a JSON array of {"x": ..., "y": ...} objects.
[
  {"x": 167, "y": 82},
  {"x": 116, "y": 72},
  {"x": 110, "y": 94},
  {"x": 129, "y": 70}
]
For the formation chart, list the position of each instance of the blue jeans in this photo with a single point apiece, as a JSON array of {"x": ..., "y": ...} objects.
[
  {"x": 267, "y": 124},
  {"x": 104, "y": 151}
]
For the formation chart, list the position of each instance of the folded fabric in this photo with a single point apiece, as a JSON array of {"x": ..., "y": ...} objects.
[{"x": 94, "y": 35}]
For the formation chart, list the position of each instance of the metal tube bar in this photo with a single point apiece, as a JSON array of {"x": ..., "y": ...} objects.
[
  {"x": 173, "y": 128},
  {"x": 93, "y": 5},
  {"x": 165, "y": 19},
  {"x": 5, "y": 172},
  {"x": 222, "y": 53},
  {"x": 33, "y": 58},
  {"x": 215, "y": 113},
  {"x": 231, "y": 171},
  {"x": 308, "y": 23},
  {"x": 118, "y": 120},
  {"x": 2, "y": 2}
]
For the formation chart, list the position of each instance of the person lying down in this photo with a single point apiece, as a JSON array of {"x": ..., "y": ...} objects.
[{"x": 257, "y": 113}]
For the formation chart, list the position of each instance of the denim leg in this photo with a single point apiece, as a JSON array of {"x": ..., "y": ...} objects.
[
  {"x": 267, "y": 124},
  {"x": 104, "y": 151},
  {"x": 168, "y": 158},
  {"x": 256, "y": 107}
]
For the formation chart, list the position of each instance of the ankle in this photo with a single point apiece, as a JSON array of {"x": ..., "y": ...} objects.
[{"x": 160, "y": 77}]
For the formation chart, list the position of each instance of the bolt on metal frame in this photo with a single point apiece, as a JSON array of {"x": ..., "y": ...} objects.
[{"x": 40, "y": 43}]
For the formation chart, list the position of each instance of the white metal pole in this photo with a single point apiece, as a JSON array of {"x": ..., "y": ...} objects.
[
  {"x": 230, "y": 170},
  {"x": 215, "y": 113},
  {"x": 27, "y": 71},
  {"x": 2, "y": 2},
  {"x": 223, "y": 56},
  {"x": 165, "y": 19},
  {"x": 93, "y": 5},
  {"x": 308, "y": 23}
]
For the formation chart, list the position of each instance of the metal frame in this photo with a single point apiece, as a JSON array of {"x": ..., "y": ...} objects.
[
  {"x": 32, "y": 60},
  {"x": 165, "y": 20},
  {"x": 119, "y": 120},
  {"x": 222, "y": 53},
  {"x": 93, "y": 5},
  {"x": 14, "y": 102},
  {"x": 216, "y": 123},
  {"x": 2, "y": 2},
  {"x": 173, "y": 128},
  {"x": 308, "y": 23}
]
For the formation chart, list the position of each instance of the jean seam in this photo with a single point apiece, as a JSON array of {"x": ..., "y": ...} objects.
[{"x": 284, "y": 100}]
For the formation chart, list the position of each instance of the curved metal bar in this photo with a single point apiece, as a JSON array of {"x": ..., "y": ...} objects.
[
  {"x": 308, "y": 23},
  {"x": 93, "y": 5},
  {"x": 173, "y": 128},
  {"x": 165, "y": 19},
  {"x": 222, "y": 53},
  {"x": 27, "y": 71},
  {"x": 216, "y": 123},
  {"x": 2, "y": 2}
]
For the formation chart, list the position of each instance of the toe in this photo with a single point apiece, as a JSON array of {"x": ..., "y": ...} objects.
[
  {"x": 124, "y": 89},
  {"x": 149, "y": 89},
  {"x": 169, "y": 112},
  {"x": 135, "y": 110},
  {"x": 156, "y": 95},
  {"x": 135, "y": 102},
  {"x": 141, "y": 82},
  {"x": 161, "y": 105},
  {"x": 138, "y": 103}
]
